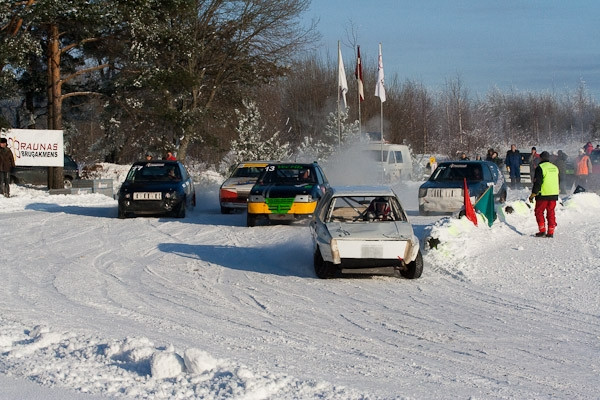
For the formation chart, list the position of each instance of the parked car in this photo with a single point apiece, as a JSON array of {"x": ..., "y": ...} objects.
[
  {"x": 234, "y": 192},
  {"x": 443, "y": 191},
  {"x": 393, "y": 160},
  {"x": 286, "y": 192},
  {"x": 364, "y": 229},
  {"x": 39, "y": 175},
  {"x": 156, "y": 187}
]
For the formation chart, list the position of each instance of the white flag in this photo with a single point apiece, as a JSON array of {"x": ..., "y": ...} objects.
[
  {"x": 342, "y": 83},
  {"x": 380, "y": 88}
]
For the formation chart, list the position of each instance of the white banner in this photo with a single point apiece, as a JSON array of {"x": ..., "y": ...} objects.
[{"x": 36, "y": 147}]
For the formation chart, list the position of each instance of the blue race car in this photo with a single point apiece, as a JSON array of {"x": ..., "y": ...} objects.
[{"x": 156, "y": 188}]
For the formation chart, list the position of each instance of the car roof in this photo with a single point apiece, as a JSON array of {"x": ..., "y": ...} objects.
[
  {"x": 294, "y": 164},
  {"x": 257, "y": 163},
  {"x": 468, "y": 162},
  {"x": 362, "y": 191},
  {"x": 156, "y": 162}
]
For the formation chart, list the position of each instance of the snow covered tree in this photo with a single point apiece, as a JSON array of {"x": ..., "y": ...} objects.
[
  {"x": 253, "y": 143},
  {"x": 336, "y": 135},
  {"x": 194, "y": 55}
]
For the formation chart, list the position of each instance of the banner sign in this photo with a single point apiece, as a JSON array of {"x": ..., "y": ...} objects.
[{"x": 36, "y": 147}]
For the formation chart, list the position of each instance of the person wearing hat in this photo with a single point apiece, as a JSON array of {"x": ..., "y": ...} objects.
[
  {"x": 545, "y": 190},
  {"x": 7, "y": 162}
]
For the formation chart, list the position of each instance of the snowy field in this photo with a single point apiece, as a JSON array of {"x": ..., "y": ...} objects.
[{"x": 97, "y": 307}]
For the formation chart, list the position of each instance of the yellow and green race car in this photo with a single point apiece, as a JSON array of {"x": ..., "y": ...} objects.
[{"x": 286, "y": 192}]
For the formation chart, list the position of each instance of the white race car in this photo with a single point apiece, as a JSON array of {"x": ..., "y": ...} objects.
[{"x": 363, "y": 229}]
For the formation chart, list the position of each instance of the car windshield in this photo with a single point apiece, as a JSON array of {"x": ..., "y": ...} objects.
[
  {"x": 364, "y": 208},
  {"x": 287, "y": 175},
  {"x": 457, "y": 172},
  {"x": 152, "y": 172},
  {"x": 247, "y": 172}
]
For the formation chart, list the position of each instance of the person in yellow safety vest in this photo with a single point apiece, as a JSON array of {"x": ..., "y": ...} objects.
[
  {"x": 545, "y": 191},
  {"x": 583, "y": 167}
]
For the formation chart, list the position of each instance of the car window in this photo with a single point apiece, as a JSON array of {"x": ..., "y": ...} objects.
[
  {"x": 459, "y": 171},
  {"x": 399, "y": 157},
  {"x": 247, "y": 172},
  {"x": 377, "y": 155},
  {"x": 288, "y": 174},
  {"x": 364, "y": 209},
  {"x": 153, "y": 172}
]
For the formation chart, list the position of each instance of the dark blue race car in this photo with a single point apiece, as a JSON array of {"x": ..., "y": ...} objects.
[
  {"x": 443, "y": 191},
  {"x": 156, "y": 187}
]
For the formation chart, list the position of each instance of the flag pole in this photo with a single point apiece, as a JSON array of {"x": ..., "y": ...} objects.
[
  {"x": 339, "y": 117},
  {"x": 382, "y": 99},
  {"x": 358, "y": 74}
]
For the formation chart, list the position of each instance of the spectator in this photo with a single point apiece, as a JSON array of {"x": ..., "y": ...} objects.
[
  {"x": 7, "y": 162},
  {"x": 170, "y": 156},
  {"x": 534, "y": 161},
  {"x": 513, "y": 163},
  {"x": 583, "y": 167}
]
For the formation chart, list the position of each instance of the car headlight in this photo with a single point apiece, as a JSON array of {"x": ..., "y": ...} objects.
[
  {"x": 335, "y": 252},
  {"x": 422, "y": 192},
  {"x": 256, "y": 198},
  {"x": 171, "y": 195},
  {"x": 303, "y": 198}
]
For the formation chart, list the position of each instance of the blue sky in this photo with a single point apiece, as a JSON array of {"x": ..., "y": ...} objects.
[{"x": 528, "y": 45}]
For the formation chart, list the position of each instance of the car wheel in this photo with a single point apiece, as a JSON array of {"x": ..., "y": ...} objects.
[
  {"x": 415, "y": 268},
  {"x": 251, "y": 220},
  {"x": 122, "y": 214},
  {"x": 226, "y": 210},
  {"x": 181, "y": 210},
  {"x": 423, "y": 212},
  {"x": 323, "y": 269},
  {"x": 68, "y": 183}
]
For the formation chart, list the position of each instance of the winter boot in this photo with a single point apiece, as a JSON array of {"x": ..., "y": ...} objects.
[{"x": 540, "y": 234}]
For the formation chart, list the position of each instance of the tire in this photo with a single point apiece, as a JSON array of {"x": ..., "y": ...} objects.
[
  {"x": 181, "y": 210},
  {"x": 414, "y": 269},
  {"x": 122, "y": 214},
  {"x": 251, "y": 220},
  {"x": 423, "y": 212},
  {"x": 67, "y": 183},
  {"x": 226, "y": 210},
  {"x": 323, "y": 269}
]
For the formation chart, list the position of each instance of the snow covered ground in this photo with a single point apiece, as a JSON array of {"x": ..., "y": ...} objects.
[{"x": 97, "y": 307}]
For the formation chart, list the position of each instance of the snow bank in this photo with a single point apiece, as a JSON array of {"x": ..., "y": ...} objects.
[{"x": 136, "y": 367}]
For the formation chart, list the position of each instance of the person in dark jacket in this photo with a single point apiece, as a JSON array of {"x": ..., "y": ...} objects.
[
  {"x": 545, "y": 191},
  {"x": 561, "y": 164},
  {"x": 513, "y": 162},
  {"x": 7, "y": 162}
]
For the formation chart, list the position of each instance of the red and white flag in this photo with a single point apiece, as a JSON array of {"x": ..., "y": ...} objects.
[
  {"x": 342, "y": 82},
  {"x": 358, "y": 73},
  {"x": 380, "y": 88}
]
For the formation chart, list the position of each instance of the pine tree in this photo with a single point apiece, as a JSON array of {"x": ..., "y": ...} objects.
[{"x": 252, "y": 142}]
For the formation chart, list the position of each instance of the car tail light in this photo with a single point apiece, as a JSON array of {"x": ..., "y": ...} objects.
[{"x": 228, "y": 194}]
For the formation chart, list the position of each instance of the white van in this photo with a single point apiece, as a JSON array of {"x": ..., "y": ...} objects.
[{"x": 394, "y": 159}]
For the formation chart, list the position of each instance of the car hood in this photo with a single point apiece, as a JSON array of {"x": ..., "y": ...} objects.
[
  {"x": 379, "y": 230},
  {"x": 283, "y": 190}
]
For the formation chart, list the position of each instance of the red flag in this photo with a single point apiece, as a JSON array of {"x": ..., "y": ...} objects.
[
  {"x": 358, "y": 73},
  {"x": 469, "y": 210}
]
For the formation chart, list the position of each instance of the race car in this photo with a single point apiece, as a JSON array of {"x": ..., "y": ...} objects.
[
  {"x": 286, "y": 192},
  {"x": 233, "y": 194}
]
